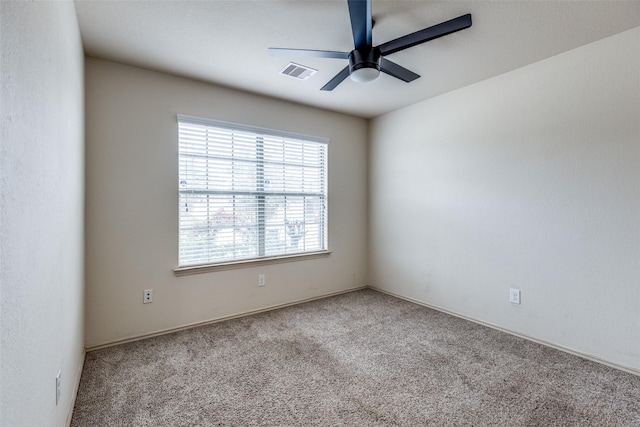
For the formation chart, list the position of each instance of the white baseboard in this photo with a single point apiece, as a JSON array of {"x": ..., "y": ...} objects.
[
  {"x": 75, "y": 389},
  {"x": 220, "y": 319},
  {"x": 517, "y": 334}
]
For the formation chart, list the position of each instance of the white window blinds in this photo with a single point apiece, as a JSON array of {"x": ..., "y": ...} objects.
[{"x": 246, "y": 192}]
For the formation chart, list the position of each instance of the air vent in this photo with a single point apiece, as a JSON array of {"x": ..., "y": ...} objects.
[{"x": 298, "y": 71}]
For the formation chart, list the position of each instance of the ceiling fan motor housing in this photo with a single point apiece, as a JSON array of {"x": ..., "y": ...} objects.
[{"x": 364, "y": 64}]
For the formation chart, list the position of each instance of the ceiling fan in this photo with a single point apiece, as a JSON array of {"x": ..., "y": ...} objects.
[{"x": 366, "y": 61}]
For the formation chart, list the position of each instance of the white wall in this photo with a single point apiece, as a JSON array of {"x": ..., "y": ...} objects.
[
  {"x": 41, "y": 211},
  {"x": 132, "y": 212},
  {"x": 527, "y": 180}
]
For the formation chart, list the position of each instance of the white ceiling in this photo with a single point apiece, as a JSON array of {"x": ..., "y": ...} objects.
[{"x": 225, "y": 42}]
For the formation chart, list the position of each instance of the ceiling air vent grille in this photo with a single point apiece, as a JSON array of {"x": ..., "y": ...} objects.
[{"x": 298, "y": 71}]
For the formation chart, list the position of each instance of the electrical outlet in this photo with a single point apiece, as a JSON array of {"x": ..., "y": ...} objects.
[
  {"x": 148, "y": 296},
  {"x": 514, "y": 296},
  {"x": 261, "y": 280},
  {"x": 58, "y": 386}
]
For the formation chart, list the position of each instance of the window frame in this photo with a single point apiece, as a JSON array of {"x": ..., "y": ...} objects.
[{"x": 260, "y": 222}]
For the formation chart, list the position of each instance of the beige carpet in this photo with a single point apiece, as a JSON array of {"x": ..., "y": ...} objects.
[{"x": 358, "y": 359}]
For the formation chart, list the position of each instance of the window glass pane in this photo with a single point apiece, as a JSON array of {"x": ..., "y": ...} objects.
[
  {"x": 217, "y": 227},
  {"x": 295, "y": 224}
]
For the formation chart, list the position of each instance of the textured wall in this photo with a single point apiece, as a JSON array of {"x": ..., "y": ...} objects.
[
  {"x": 41, "y": 211},
  {"x": 527, "y": 180},
  {"x": 132, "y": 212}
]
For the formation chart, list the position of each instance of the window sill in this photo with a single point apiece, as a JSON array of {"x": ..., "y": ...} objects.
[{"x": 198, "y": 269}]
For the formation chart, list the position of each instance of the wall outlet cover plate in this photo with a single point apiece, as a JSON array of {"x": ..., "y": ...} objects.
[{"x": 514, "y": 296}]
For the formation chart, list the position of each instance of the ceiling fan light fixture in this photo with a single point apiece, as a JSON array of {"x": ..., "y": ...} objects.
[{"x": 363, "y": 75}]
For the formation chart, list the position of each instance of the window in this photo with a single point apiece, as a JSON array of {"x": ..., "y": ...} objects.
[{"x": 248, "y": 193}]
